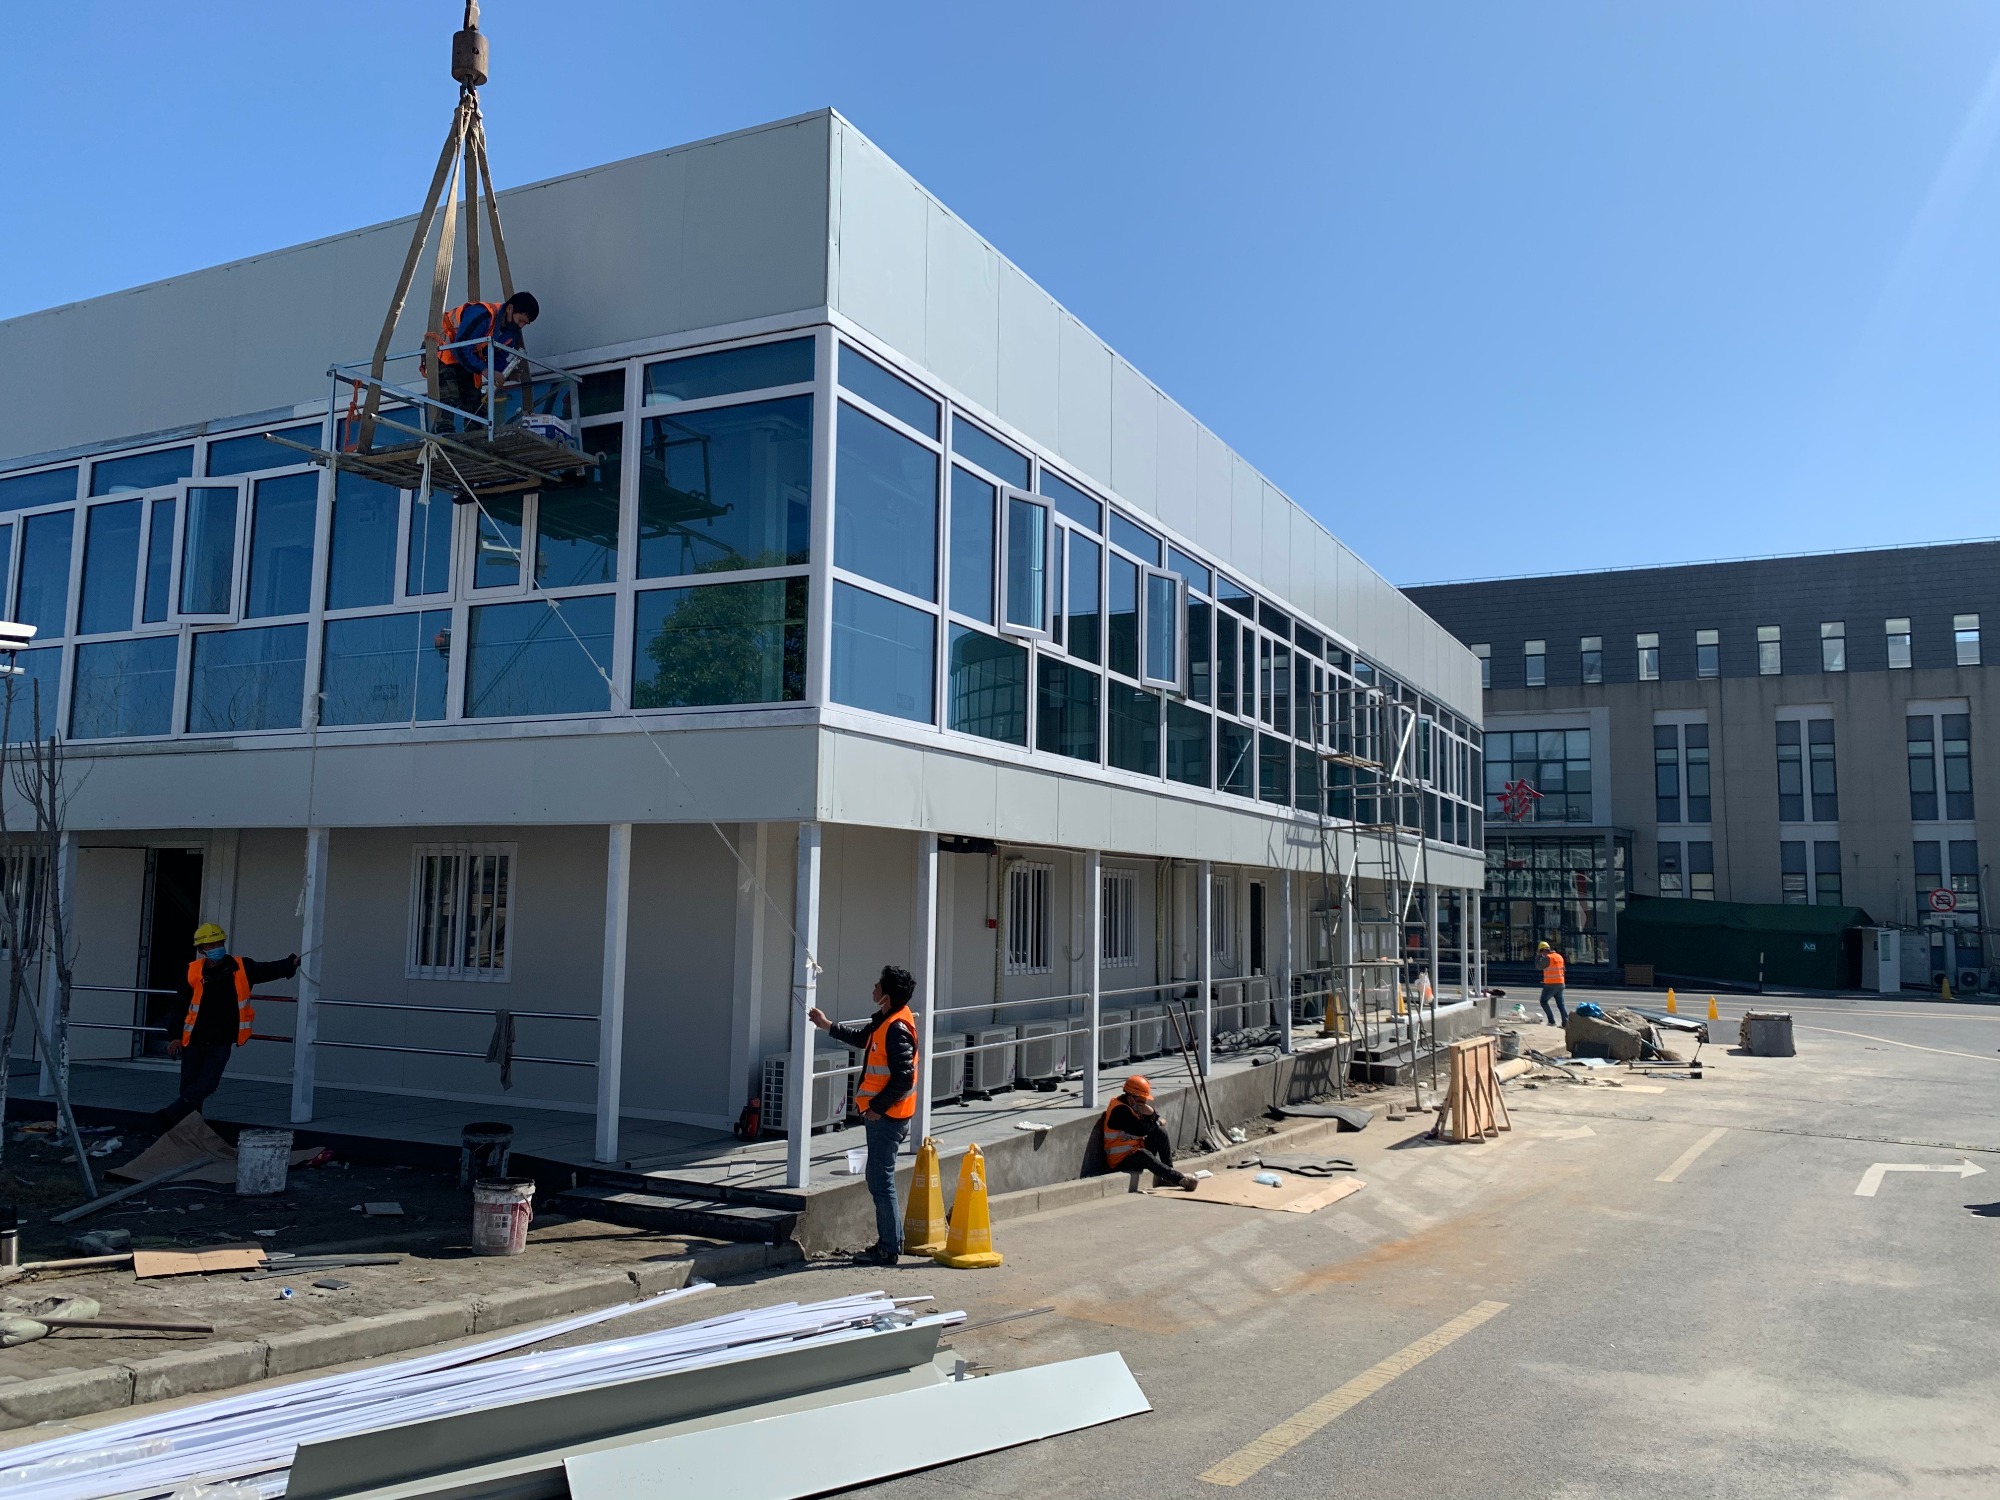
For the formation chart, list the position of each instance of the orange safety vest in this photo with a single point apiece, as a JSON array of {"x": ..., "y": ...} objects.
[
  {"x": 448, "y": 334},
  {"x": 875, "y": 1069},
  {"x": 244, "y": 1014},
  {"x": 1552, "y": 967},
  {"x": 1118, "y": 1144}
]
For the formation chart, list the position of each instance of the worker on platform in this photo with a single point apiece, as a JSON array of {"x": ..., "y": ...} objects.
[
  {"x": 218, "y": 1017},
  {"x": 463, "y": 372},
  {"x": 1134, "y": 1139},
  {"x": 886, "y": 1098},
  {"x": 1551, "y": 964}
]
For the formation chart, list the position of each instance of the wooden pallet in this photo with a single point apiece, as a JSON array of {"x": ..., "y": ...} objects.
[{"x": 1473, "y": 1109}]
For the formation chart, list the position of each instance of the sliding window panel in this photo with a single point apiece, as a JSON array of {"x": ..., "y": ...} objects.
[
  {"x": 245, "y": 680},
  {"x": 361, "y": 562},
  {"x": 283, "y": 514},
  {"x": 884, "y": 654},
  {"x": 385, "y": 669},
  {"x": 41, "y": 599},
  {"x": 987, "y": 686},
  {"x": 885, "y": 507},
  {"x": 110, "y": 566},
  {"x": 534, "y": 658},
  {"x": 720, "y": 643},
  {"x": 207, "y": 567},
  {"x": 576, "y": 525},
  {"x": 124, "y": 689},
  {"x": 726, "y": 488},
  {"x": 427, "y": 569}
]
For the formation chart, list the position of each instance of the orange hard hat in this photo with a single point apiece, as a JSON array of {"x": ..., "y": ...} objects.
[{"x": 1139, "y": 1086}]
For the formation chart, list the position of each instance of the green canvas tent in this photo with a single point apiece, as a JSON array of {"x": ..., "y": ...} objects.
[{"x": 1739, "y": 942}]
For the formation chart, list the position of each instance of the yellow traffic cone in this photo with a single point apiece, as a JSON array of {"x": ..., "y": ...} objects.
[
  {"x": 1944, "y": 986},
  {"x": 1673, "y": 1006},
  {"x": 1399, "y": 1001},
  {"x": 1713, "y": 1013},
  {"x": 969, "y": 1245},
  {"x": 923, "y": 1221}
]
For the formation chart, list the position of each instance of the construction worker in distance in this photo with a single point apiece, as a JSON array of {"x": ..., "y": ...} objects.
[
  {"x": 1134, "y": 1139},
  {"x": 886, "y": 1097},
  {"x": 463, "y": 372},
  {"x": 1550, "y": 963},
  {"x": 218, "y": 1017}
]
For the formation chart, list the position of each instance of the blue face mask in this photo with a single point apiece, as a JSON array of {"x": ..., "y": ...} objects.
[{"x": 215, "y": 955}]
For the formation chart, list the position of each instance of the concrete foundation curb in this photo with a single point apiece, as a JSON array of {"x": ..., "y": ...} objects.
[{"x": 215, "y": 1367}]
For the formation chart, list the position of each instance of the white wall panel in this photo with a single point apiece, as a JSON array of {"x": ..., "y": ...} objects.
[
  {"x": 1246, "y": 512},
  {"x": 883, "y": 222},
  {"x": 1083, "y": 396},
  {"x": 962, "y": 309},
  {"x": 1135, "y": 437},
  {"x": 1030, "y": 355},
  {"x": 1278, "y": 541},
  {"x": 1175, "y": 476},
  {"x": 1215, "y": 473}
]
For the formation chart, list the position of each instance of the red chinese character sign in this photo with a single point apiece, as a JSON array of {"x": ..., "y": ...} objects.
[{"x": 1517, "y": 800}]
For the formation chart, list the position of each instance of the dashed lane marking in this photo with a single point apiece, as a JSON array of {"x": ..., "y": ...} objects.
[{"x": 1687, "y": 1158}]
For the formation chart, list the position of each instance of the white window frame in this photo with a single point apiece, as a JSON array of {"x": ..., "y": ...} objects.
[
  {"x": 1178, "y": 610},
  {"x": 464, "y": 854},
  {"x": 1120, "y": 925},
  {"x": 1026, "y": 933},
  {"x": 239, "y": 562},
  {"x": 1707, "y": 639},
  {"x": 1644, "y": 641},
  {"x": 1829, "y": 631},
  {"x": 1774, "y": 637},
  {"x": 1890, "y": 634},
  {"x": 1018, "y": 630},
  {"x": 1535, "y": 651},
  {"x": 1222, "y": 931},
  {"x": 1959, "y": 631}
]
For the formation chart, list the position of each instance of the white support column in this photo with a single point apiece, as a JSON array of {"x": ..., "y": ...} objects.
[
  {"x": 64, "y": 894},
  {"x": 1465, "y": 943},
  {"x": 926, "y": 957},
  {"x": 746, "y": 1035},
  {"x": 1093, "y": 959},
  {"x": 805, "y": 995},
  {"x": 1282, "y": 989},
  {"x": 1205, "y": 1022},
  {"x": 312, "y": 955},
  {"x": 1431, "y": 936},
  {"x": 1350, "y": 979},
  {"x": 611, "y": 998}
]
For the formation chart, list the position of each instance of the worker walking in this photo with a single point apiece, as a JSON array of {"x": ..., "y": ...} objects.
[
  {"x": 886, "y": 1099},
  {"x": 463, "y": 371},
  {"x": 1134, "y": 1139},
  {"x": 218, "y": 1017},
  {"x": 1550, "y": 963}
]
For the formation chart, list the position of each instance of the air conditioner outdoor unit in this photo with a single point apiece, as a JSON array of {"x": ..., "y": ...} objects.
[
  {"x": 1044, "y": 1051},
  {"x": 830, "y": 1087},
  {"x": 948, "y": 1063},
  {"x": 1228, "y": 1016},
  {"x": 1256, "y": 1013},
  {"x": 1149, "y": 1030},
  {"x": 1114, "y": 1036},
  {"x": 992, "y": 1067}
]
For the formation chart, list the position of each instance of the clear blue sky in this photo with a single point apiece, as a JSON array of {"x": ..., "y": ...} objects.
[{"x": 1490, "y": 288}]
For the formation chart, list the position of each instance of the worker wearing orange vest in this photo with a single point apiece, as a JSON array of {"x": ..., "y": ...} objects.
[
  {"x": 1135, "y": 1140},
  {"x": 217, "y": 1018},
  {"x": 886, "y": 1097},
  {"x": 1551, "y": 964},
  {"x": 462, "y": 371}
]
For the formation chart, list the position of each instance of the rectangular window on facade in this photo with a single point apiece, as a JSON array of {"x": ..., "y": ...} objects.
[
  {"x": 986, "y": 688},
  {"x": 722, "y": 643},
  {"x": 1819, "y": 754},
  {"x": 1964, "y": 857},
  {"x": 1791, "y": 772},
  {"x": 1795, "y": 877},
  {"x": 1965, "y": 639},
  {"x": 1666, "y": 773},
  {"x": 283, "y": 513},
  {"x": 1221, "y": 917},
  {"x": 246, "y": 455},
  {"x": 1160, "y": 622},
  {"x": 502, "y": 530},
  {"x": 1896, "y": 637},
  {"x": 1927, "y": 865},
  {"x": 1699, "y": 801},
  {"x": 1670, "y": 870},
  {"x": 1234, "y": 771},
  {"x": 1826, "y": 872},
  {"x": 1957, "y": 766},
  {"x": 28, "y": 699},
  {"x": 576, "y": 527},
  {"x": 158, "y": 600},
  {"x": 1200, "y": 651},
  {"x": 1920, "y": 735},
  {"x": 1485, "y": 655},
  {"x": 459, "y": 910},
  {"x": 41, "y": 597},
  {"x": 973, "y": 548},
  {"x": 1028, "y": 543},
  {"x": 1120, "y": 927},
  {"x": 1833, "y": 646},
  {"x": 123, "y": 688},
  {"x": 140, "y": 471},
  {"x": 1074, "y": 504},
  {"x": 1066, "y": 706},
  {"x": 1701, "y": 870},
  {"x": 1649, "y": 656},
  {"x": 49, "y": 487},
  {"x": 1122, "y": 617},
  {"x": 208, "y": 551},
  {"x": 1591, "y": 658},
  {"x": 980, "y": 447},
  {"x": 1535, "y": 663},
  {"x": 1708, "y": 653},
  {"x": 1274, "y": 769},
  {"x": 385, "y": 669},
  {"x": 1770, "y": 648},
  {"x": 1132, "y": 729},
  {"x": 891, "y": 393},
  {"x": 427, "y": 569},
  {"x": 884, "y": 654},
  {"x": 731, "y": 487},
  {"x": 1028, "y": 919},
  {"x": 525, "y": 659},
  {"x": 245, "y": 680},
  {"x": 885, "y": 508},
  {"x": 695, "y": 377},
  {"x": 361, "y": 565},
  {"x": 110, "y": 566},
  {"x": 1188, "y": 732}
]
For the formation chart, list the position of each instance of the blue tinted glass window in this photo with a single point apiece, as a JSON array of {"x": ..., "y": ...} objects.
[
  {"x": 50, "y": 487},
  {"x": 1073, "y": 502},
  {"x": 1066, "y": 709},
  {"x": 123, "y": 688},
  {"x": 892, "y": 393},
  {"x": 1274, "y": 770},
  {"x": 159, "y": 563},
  {"x": 362, "y": 568},
  {"x": 992, "y": 455},
  {"x": 576, "y": 527},
  {"x": 1233, "y": 769},
  {"x": 1232, "y": 595},
  {"x": 385, "y": 669},
  {"x": 1026, "y": 600},
  {"x": 1276, "y": 621},
  {"x": 281, "y": 546},
  {"x": 208, "y": 551},
  {"x": 884, "y": 654},
  {"x": 972, "y": 544},
  {"x": 142, "y": 471},
  {"x": 1123, "y": 617},
  {"x": 1133, "y": 735},
  {"x": 1187, "y": 744},
  {"x": 527, "y": 659},
  {"x": 698, "y": 376},
  {"x": 110, "y": 566},
  {"x": 247, "y": 679},
  {"x": 720, "y": 643},
  {"x": 987, "y": 687},
  {"x": 885, "y": 506},
  {"x": 42, "y": 600},
  {"x": 428, "y": 569},
  {"x": 245, "y": 455},
  {"x": 726, "y": 488},
  {"x": 602, "y": 393},
  {"x": 1198, "y": 577},
  {"x": 1085, "y": 622},
  {"x": 28, "y": 699},
  {"x": 1135, "y": 539},
  {"x": 497, "y": 563}
]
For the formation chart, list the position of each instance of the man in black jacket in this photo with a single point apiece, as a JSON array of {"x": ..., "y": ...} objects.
[
  {"x": 886, "y": 1097},
  {"x": 216, "y": 994},
  {"x": 1135, "y": 1140}
]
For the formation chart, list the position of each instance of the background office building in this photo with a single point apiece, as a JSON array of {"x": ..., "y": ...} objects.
[
  {"x": 1800, "y": 729},
  {"x": 901, "y": 621}
]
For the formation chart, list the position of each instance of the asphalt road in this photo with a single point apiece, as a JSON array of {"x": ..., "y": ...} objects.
[{"x": 1666, "y": 1289}]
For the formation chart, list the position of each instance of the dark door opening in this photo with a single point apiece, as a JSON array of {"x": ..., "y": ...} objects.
[
  {"x": 1256, "y": 927},
  {"x": 166, "y": 942}
]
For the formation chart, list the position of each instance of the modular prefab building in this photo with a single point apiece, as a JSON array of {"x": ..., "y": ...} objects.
[{"x": 896, "y": 612}]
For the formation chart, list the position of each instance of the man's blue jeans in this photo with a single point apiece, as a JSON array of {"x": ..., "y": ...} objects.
[
  {"x": 885, "y": 1140},
  {"x": 1554, "y": 992}
]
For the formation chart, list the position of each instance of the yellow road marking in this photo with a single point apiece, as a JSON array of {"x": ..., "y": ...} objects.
[
  {"x": 1891, "y": 1042},
  {"x": 1288, "y": 1434},
  {"x": 1686, "y": 1158}
]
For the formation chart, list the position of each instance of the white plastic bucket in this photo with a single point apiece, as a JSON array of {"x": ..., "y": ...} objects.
[
  {"x": 261, "y": 1158},
  {"x": 857, "y": 1161},
  {"x": 501, "y": 1210}
]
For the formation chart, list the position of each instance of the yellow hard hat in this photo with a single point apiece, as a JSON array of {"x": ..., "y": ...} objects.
[
  {"x": 1538, "y": 947},
  {"x": 208, "y": 935}
]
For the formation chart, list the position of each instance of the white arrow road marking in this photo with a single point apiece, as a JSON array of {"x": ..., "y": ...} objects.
[
  {"x": 1686, "y": 1158},
  {"x": 1872, "y": 1178}
]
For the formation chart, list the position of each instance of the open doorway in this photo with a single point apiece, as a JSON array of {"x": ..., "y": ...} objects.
[{"x": 172, "y": 910}]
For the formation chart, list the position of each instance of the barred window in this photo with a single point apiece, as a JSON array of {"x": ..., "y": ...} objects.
[
  {"x": 1120, "y": 949},
  {"x": 459, "y": 897},
  {"x": 1028, "y": 919},
  {"x": 22, "y": 871}
]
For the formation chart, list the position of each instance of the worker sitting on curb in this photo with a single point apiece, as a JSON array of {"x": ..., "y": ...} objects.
[
  {"x": 1550, "y": 963},
  {"x": 217, "y": 995},
  {"x": 462, "y": 372},
  {"x": 886, "y": 1099},
  {"x": 1135, "y": 1140}
]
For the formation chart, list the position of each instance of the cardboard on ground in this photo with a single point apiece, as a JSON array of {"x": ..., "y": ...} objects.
[
  {"x": 187, "y": 1140},
  {"x": 1296, "y": 1195}
]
